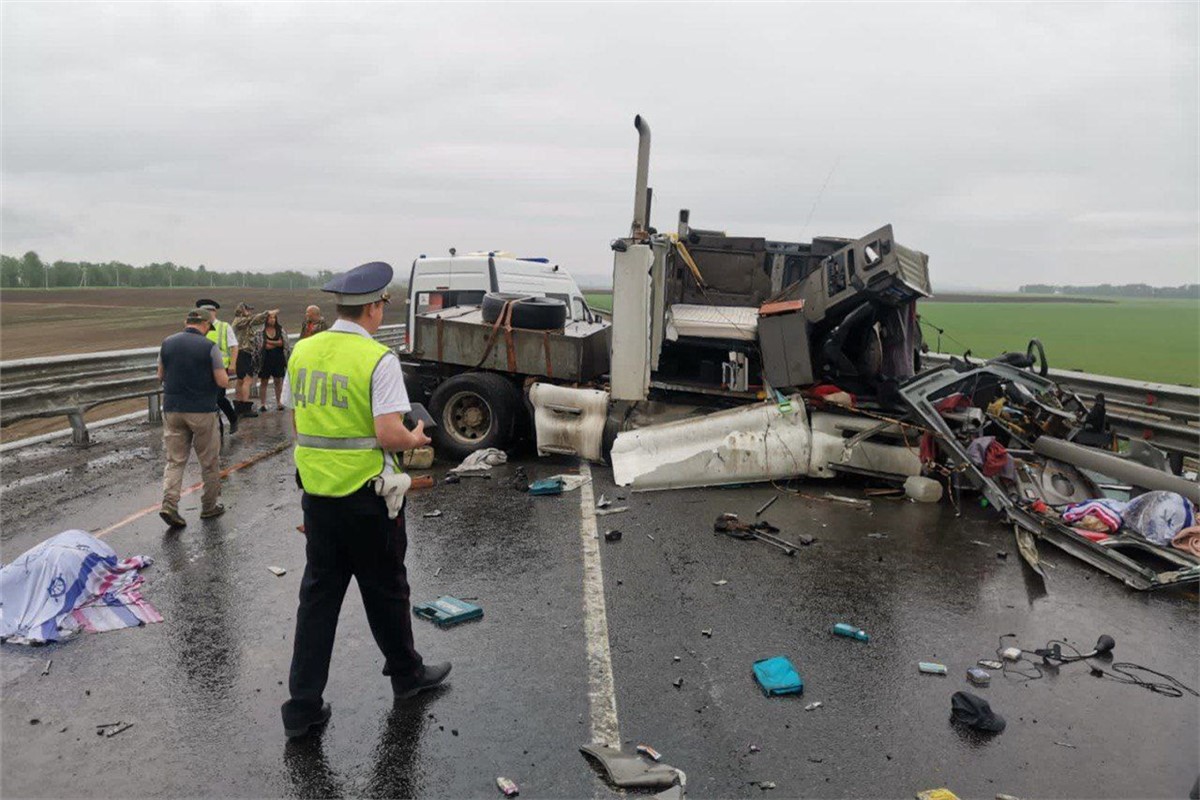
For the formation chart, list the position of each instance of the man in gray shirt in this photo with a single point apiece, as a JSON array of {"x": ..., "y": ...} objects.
[{"x": 192, "y": 371}]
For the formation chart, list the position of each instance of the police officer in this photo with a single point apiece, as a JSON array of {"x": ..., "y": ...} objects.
[
  {"x": 222, "y": 335},
  {"x": 348, "y": 396}
]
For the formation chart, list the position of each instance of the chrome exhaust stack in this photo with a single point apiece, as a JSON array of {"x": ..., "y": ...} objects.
[{"x": 641, "y": 193}]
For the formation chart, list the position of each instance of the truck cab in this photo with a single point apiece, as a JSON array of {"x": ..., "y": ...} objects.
[{"x": 463, "y": 280}]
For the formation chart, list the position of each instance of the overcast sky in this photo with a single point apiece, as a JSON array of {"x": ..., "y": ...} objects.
[{"x": 1013, "y": 143}]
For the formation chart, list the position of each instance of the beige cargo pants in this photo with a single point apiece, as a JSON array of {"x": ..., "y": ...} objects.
[{"x": 181, "y": 434}]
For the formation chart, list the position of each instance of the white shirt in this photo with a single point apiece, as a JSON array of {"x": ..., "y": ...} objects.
[{"x": 388, "y": 392}]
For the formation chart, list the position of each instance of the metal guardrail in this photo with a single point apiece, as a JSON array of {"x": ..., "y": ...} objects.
[
  {"x": 1165, "y": 415},
  {"x": 57, "y": 386}
]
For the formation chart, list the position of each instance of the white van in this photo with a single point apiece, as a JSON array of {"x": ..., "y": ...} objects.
[{"x": 444, "y": 282}]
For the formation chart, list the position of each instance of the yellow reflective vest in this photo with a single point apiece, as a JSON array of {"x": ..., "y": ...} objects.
[
  {"x": 329, "y": 375},
  {"x": 219, "y": 334}
]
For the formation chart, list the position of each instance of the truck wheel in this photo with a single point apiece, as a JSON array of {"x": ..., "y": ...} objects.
[{"x": 474, "y": 410}]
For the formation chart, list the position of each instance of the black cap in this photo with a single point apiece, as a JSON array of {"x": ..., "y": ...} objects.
[
  {"x": 972, "y": 710},
  {"x": 366, "y": 283},
  {"x": 204, "y": 302}
]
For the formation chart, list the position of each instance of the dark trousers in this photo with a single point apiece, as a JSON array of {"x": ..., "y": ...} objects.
[
  {"x": 349, "y": 536},
  {"x": 226, "y": 406}
]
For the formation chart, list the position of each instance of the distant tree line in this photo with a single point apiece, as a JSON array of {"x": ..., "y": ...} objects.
[
  {"x": 1189, "y": 291},
  {"x": 29, "y": 271}
]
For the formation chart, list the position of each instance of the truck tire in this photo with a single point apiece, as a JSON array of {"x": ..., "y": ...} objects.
[
  {"x": 474, "y": 410},
  {"x": 532, "y": 313}
]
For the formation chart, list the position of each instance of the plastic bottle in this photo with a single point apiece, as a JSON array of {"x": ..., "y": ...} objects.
[
  {"x": 923, "y": 490},
  {"x": 848, "y": 630}
]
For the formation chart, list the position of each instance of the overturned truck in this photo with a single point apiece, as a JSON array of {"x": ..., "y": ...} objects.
[{"x": 740, "y": 359}]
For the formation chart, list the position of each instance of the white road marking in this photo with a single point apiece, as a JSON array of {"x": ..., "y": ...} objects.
[{"x": 602, "y": 696}]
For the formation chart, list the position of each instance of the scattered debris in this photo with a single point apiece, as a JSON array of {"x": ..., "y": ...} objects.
[
  {"x": 706, "y": 633},
  {"x": 46, "y": 669},
  {"x": 423, "y": 482},
  {"x": 813, "y": 706},
  {"x": 113, "y": 728},
  {"x": 678, "y": 683},
  {"x": 650, "y": 536},
  {"x": 452, "y": 479},
  {"x": 763, "y": 531},
  {"x": 480, "y": 462},
  {"x": 979, "y": 677},
  {"x": 931, "y": 668},
  {"x": 990, "y": 663},
  {"x": 765, "y": 506},
  {"x": 755, "y": 748},
  {"x": 849, "y": 631},
  {"x": 546, "y": 486},
  {"x": 604, "y": 512},
  {"x": 877, "y": 536},
  {"x": 35, "y": 721},
  {"x": 721, "y": 582},
  {"x": 815, "y": 759},
  {"x": 649, "y": 752},
  {"x": 850, "y": 501},
  {"x": 892, "y": 492},
  {"x": 764, "y": 785},
  {"x": 432, "y": 514},
  {"x": 612, "y": 536},
  {"x": 437, "y": 572},
  {"x": 777, "y": 676},
  {"x": 1066, "y": 744},
  {"x": 1002, "y": 554},
  {"x": 278, "y": 572},
  {"x": 603, "y": 502},
  {"x": 507, "y": 787},
  {"x": 807, "y": 540},
  {"x": 447, "y": 611},
  {"x": 937, "y": 794},
  {"x": 981, "y": 544}
]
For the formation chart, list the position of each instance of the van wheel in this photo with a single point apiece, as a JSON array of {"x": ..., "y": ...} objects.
[{"x": 474, "y": 410}]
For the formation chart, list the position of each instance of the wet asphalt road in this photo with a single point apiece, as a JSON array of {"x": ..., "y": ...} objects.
[{"x": 204, "y": 687}]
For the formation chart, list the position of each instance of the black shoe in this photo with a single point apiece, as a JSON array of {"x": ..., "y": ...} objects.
[
  {"x": 245, "y": 408},
  {"x": 233, "y": 424},
  {"x": 262, "y": 409},
  {"x": 320, "y": 719},
  {"x": 215, "y": 511},
  {"x": 431, "y": 676},
  {"x": 172, "y": 517}
]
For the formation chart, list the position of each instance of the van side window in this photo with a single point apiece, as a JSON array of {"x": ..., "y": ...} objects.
[
  {"x": 430, "y": 301},
  {"x": 577, "y": 312}
]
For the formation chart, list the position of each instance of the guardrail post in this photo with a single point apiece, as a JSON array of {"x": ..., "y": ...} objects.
[
  {"x": 154, "y": 408},
  {"x": 79, "y": 431}
]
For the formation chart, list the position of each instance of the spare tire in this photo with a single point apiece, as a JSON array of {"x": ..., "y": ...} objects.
[
  {"x": 536, "y": 313},
  {"x": 493, "y": 304}
]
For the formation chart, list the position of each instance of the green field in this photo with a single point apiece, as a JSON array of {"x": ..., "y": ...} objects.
[{"x": 1152, "y": 340}]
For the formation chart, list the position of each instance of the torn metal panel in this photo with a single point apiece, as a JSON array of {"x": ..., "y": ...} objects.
[
  {"x": 631, "y": 771},
  {"x": 569, "y": 421},
  {"x": 927, "y": 388},
  {"x": 749, "y": 444}
]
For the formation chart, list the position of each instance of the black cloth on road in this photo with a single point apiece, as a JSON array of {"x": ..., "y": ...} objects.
[{"x": 349, "y": 536}]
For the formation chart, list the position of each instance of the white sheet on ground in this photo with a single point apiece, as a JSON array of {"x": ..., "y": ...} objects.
[{"x": 68, "y": 583}]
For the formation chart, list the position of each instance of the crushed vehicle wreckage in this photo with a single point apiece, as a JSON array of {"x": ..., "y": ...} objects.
[{"x": 732, "y": 360}]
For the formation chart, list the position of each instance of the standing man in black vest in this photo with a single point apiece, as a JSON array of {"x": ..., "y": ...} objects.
[{"x": 192, "y": 373}]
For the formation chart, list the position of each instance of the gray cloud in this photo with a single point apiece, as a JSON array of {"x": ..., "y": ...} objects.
[{"x": 1013, "y": 142}]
